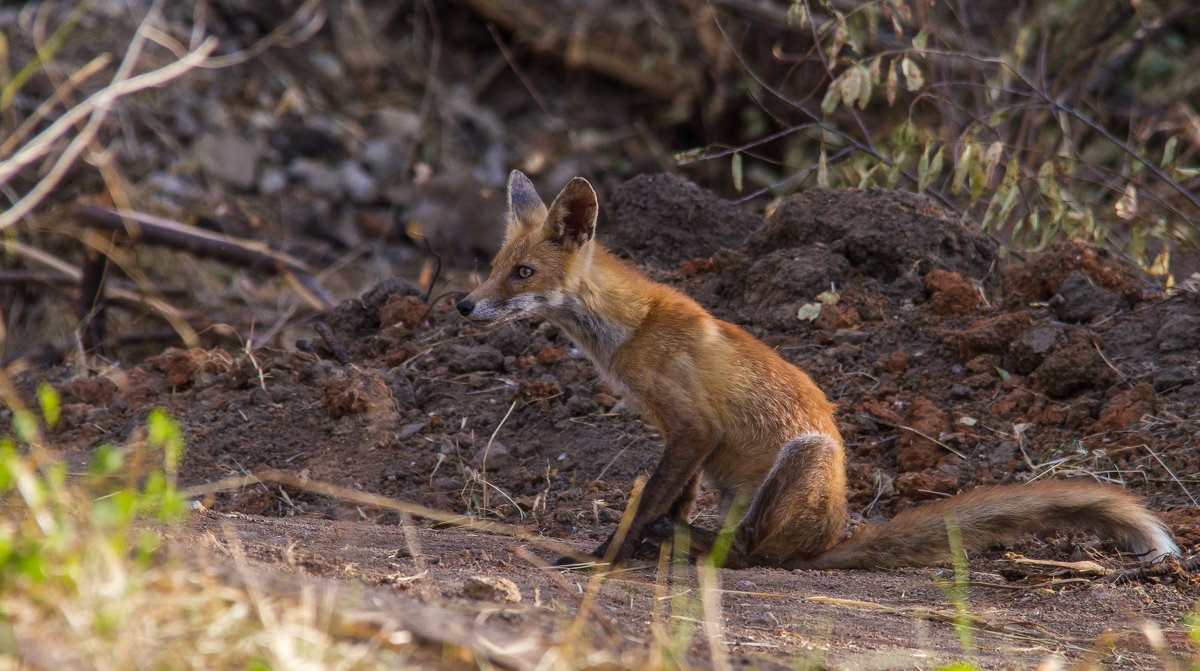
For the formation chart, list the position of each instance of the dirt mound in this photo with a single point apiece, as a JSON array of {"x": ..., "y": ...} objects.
[
  {"x": 880, "y": 244},
  {"x": 891, "y": 236},
  {"x": 662, "y": 220}
]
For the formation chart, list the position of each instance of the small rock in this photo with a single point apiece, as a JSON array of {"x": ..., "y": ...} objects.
[
  {"x": 474, "y": 358},
  {"x": 1172, "y": 376},
  {"x": 1004, "y": 452},
  {"x": 880, "y": 411},
  {"x": 1079, "y": 301},
  {"x": 178, "y": 365},
  {"x": 850, "y": 336},
  {"x": 764, "y": 620},
  {"x": 175, "y": 187},
  {"x": 1126, "y": 408},
  {"x": 383, "y": 158},
  {"x": 318, "y": 177},
  {"x": 1178, "y": 331},
  {"x": 358, "y": 183},
  {"x": 409, "y": 430},
  {"x": 229, "y": 159},
  {"x": 488, "y": 588},
  {"x": 329, "y": 64},
  {"x": 1073, "y": 366},
  {"x": 396, "y": 123},
  {"x": 605, "y": 401},
  {"x": 694, "y": 267},
  {"x": 494, "y": 456},
  {"x": 833, "y": 318},
  {"x": 91, "y": 390},
  {"x": 1026, "y": 353},
  {"x": 272, "y": 181}
]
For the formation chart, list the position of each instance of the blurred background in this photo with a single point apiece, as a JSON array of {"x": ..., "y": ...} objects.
[{"x": 272, "y": 158}]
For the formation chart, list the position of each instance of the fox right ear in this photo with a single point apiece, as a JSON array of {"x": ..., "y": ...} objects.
[{"x": 524, "y": 203}]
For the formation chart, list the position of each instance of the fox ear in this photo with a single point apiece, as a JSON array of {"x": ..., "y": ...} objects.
[
  {"x": 572, "y": 217},
  {"x": 524, "y": 204}
]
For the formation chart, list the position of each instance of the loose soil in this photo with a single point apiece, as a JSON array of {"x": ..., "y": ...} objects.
[{"x": 951, "y": 366}]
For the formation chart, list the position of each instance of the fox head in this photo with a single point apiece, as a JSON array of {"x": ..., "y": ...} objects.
[{"x": 545, "y": 252}]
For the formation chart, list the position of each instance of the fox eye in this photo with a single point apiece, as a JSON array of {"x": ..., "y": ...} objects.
[{"x": 523, "y": 272}]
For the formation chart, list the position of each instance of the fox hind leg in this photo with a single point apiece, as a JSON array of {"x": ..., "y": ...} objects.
[{"x": 800, "y": 508}]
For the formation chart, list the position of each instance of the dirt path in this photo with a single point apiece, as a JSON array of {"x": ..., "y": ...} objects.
[{"x": 770, "y": 618}]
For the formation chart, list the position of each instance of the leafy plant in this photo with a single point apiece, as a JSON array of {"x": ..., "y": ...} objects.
[{"x": 1034, "y": 121}]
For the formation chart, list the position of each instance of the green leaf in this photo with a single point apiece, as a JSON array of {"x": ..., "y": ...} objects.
[
  {"x": 48, "y": 399},
  {"x": 893, "y": 84},
  {"x": 991, "y": 159},
  {"x": 797, "y": 14},
  {"x": 24, "y": 425},
  {"x": 963, "y": 167},
  {"x": 913, "y": 79},
  {"x": 920, "y": 40},
  {"x": 823, "y": 171},
  {"x": 808, "y": 312},
  {"x": 106, "y": 460},
  {"x": 864, "y": 87},
  {"x": 939, "y": 162},
  {"x": 923, "y": 168},
  {"x": 735, "y": 168},
  {"x": 689, "y": 156},
  {"x": 1169, "y": 152},
  {"x": 164, "y": 432},
  {"x": 830, "y": 102}
]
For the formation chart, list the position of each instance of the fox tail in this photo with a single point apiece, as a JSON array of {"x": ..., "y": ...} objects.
[{"x": 919, "y": 537}]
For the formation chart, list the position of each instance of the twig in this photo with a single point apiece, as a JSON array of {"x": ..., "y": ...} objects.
[
  {"x": 537, "y": 98},
  {"x": 557, "y": 577},
  {"x": 331, "y": 341},
  {"x": 91, "y": 300},
  {"x": 1172, "y": 474}
]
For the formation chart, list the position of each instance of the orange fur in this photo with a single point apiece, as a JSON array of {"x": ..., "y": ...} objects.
[{"x": 732, "y": 409}]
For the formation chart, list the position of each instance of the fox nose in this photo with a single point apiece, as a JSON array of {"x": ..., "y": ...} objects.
[{"x": 466, "y": 306}]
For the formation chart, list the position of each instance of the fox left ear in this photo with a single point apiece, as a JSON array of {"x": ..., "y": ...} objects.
[
  {"x": 572, "y": 217},
  {"x": 523, "y": 199}
]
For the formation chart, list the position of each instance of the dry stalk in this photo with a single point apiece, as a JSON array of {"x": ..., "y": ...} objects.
[
  {"x": 377, "y": 501},
  {"x": 96, "y": 107}
]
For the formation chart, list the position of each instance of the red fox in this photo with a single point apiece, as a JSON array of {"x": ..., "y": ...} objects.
[{"x": 754, "y": 425}]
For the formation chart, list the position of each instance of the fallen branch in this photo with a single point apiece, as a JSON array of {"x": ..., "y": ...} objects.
[
  {"x": 140, "y": 227},
  {"x": 377, "y": 501}
]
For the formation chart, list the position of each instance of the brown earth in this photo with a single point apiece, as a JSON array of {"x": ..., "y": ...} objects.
[{"x": 936, "y": 395}]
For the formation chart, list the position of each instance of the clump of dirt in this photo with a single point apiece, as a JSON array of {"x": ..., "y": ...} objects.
[
  {"x": 950, "y": 293},
  {"x": 1044, "y": 276}
]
